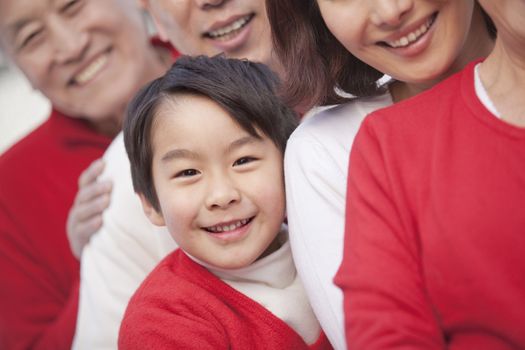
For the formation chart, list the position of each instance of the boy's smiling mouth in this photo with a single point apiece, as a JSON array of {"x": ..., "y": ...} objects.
[{"x": 228, "y": 226}]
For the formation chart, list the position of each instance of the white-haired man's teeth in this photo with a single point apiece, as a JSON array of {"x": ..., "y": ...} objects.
[
  {"x": 91, "y": 70},
  {"x": 238, "y": 24},
  {"x": 411, "y": 37}
]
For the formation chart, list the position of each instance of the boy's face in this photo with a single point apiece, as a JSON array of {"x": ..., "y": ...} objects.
[
  {"x": 239, "y": 28},
  {"x": 220, "y": 190},
  {"x": 87, "y": 57}
]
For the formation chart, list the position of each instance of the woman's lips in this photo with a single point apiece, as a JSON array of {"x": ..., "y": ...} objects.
[
  {"x": 413, "y": 36},
  {"x": 231, "y": 36},
  {"x": 229, "y": 30},
  {"x": 413, "y": 42}
]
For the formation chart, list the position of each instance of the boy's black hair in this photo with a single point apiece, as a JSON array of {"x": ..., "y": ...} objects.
[{"x": 244, "y": 89}]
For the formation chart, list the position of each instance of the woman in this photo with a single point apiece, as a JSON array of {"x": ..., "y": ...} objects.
[
  {"x": 88, "y": 58},
  {"x": 434, "y": 234},
  {"x": 348, "y": 45}
]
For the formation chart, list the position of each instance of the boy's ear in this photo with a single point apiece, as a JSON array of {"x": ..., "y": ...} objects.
[{"x": 153, "y": 215}]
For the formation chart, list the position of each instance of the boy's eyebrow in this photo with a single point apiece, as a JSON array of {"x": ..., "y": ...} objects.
[
  {"x": 242, "y": 141},
  {"x": 178, "y": 153},
  {"x": 184, "y": 153}
]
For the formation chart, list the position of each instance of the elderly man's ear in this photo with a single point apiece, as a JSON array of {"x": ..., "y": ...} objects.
[{"x": 161, "y": 31}]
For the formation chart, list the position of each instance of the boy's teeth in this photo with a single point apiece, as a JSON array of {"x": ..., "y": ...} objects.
[
  {"x": 226, "y": 228},
  {"x": 411, "y": 37},
  {"x": 91, "y": 70},
  {"x": 238, "y": 24}
]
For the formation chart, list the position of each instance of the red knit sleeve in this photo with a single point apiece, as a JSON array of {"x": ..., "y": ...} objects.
[
  {"x": 385, "y": 302},
  {"x": 34, "y": 316}
]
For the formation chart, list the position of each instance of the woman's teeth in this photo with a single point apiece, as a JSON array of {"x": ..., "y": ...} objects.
[
  {"x": 225, "y": 33},
  {"x": 226, "y": 228},
  {"x": 411, "y": 37},
  {"x": 91, "y": 70}
]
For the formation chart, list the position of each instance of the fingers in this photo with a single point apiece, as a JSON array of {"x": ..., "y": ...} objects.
[
  {"x": 92, "y": 172},
  {"x": 85, "y": 219},
  {"x": 85, "y": 229},
  {"x": 85, "y": 216},
  {"x": 92, "y": 199},
  {"x": 82, "y": 233}
]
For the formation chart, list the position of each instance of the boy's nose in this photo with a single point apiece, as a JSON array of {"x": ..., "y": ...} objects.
[{"x": 222, "y": 194}]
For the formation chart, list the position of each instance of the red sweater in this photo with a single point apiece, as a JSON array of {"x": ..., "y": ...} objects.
[
  {"x": 434, "y": 253},
  {"x": 39, "y": 274},
  {"x": 181, "y": 305}
]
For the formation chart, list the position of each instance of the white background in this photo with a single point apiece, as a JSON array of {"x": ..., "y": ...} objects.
[{"x": 21, "y": 107}]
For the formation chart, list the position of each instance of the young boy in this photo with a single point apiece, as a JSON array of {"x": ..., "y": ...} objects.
[{"x": 206, "y": 145}]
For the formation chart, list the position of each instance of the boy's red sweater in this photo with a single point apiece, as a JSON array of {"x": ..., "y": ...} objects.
[{"x": 181, "y": 305}]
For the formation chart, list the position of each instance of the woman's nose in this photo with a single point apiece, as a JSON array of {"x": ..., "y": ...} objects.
[{"x": 389, "y": 12}]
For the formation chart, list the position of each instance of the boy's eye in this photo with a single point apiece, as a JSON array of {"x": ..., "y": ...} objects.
[
  {"x": 187, "y": 173},
  {"x": 244, "y": 160}
]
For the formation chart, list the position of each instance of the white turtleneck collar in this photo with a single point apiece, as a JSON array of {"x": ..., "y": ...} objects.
[
  {"x": 276, "y": 270},
  {"x": 273, "y": 282}
]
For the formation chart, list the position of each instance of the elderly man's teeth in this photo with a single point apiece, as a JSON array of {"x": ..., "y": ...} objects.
[
  {"x": 411, "y": 37},
  {"x": 226, "y": 228},
  {"x": 91, "y": 70},
  {"x": 238, "y": 24}
]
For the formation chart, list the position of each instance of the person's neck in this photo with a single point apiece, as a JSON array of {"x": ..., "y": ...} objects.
[
  {"x": 163, "y": 59},
  {"x": 478, "y": 44},
  {"x": 109, "y": 126},
  {"x": 503, "y": 76},
  {"x": 401, "y": 91}
]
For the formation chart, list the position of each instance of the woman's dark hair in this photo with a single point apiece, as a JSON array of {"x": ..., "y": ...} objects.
[
  {"x": 493, "y": 32},
  {"x": 245, "y": 90},
  {"x": 314, "y": 60}
]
